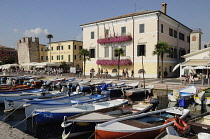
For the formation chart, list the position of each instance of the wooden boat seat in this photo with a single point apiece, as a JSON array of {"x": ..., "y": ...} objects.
[
  {"x": 158, "y": 116},
  {"x": 137, "y": 123}
]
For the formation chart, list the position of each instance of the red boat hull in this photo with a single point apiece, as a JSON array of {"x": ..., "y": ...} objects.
[{"x": 100, "y": 134}]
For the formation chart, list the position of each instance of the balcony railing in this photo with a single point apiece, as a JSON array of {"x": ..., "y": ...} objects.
[{"x": 114, "y": 58}]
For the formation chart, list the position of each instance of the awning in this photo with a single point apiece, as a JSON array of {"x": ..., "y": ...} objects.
[
  {"x": 196, "y": 62},
  {"x": 200, "y": 67},
  {"x": 188, "y": 67},
  {"x": 176, "y": 67}
]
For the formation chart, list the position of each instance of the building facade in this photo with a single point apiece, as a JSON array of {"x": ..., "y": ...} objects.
[
  {"x": 137, "y": 34},
  {"x": 66, "y": 51},
  {"x": 28, "y": 50},
  {"x": 43, "y": 53},
  {"x": 7, "y": 52}
]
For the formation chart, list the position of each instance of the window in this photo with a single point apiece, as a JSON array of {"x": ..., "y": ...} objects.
[
  {"x": 69, "y": 47},
  {"x": 161, "y": 28},
  {"x": 181, "y": 36},
  {"x": 75, "y": 57},
  {"x": 2, "y": 52},
  {"x": 61, "y": 57},
  {"x": 69, "y": 58},
  {"x": 124, "y": 50},
  {"x": 170, "y": 32},
  {"x": 51, "y": 57},
  {"x": 106, "y": 50},
  {"x": 9, "y": 53},
  {"x": 80, "y": 47},
  {"x": 92, "y": 35},
  {"x": 46, "y": 57},
  {"x": 123, "y": 31},
  {"x": 175, "y": 53},
  {"x": 58, "y": 57},
  {"x": 75, "y": 47},
  {"x": 51, "y": 48},
  {"x": 113, "y": 52},
  {"x": 141, "y": 28},
  {"x": 42, "y": 58},
  {"x": 107, "y": 33},
  {"x": 182, "y": 52},
  {"x": 188, "y": 39},
  {"x": 58, "y": 47},
  {"x": 41, "y": 48},
  {"x": 175, "y": 34},
  {"x": 61, "y": 47},
  {"x": 170, "y": 69},
  {"x": 141, "y": 50},
  {"x": 92, "y": 53},
  {"x": 171, "y": 55}
]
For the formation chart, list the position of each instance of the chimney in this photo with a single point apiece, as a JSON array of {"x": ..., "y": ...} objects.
[{"x": 164, "y": 7}]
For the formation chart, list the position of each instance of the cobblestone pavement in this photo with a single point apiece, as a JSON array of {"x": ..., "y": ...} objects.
[{"x": 7, "y": 132}]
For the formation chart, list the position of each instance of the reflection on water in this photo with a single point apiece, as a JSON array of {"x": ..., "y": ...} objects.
[{"x": 54, "y": 131}]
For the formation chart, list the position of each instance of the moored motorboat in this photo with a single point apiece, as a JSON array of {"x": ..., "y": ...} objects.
[
  {"x": 186, "y": 93},
  {"x": 13, "y": 104},
  {"x": 49, "y": 115},
  {"x": 200, "y": 123},
  {"x": 147, "y": 125},
  {"x": 61, "y": 102},
  {"x": 137, "y": 94},
  {"x": 203, "y": 96},
  {"x": 86, "y": 122}
]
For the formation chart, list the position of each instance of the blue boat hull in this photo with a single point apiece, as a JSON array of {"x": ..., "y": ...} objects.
[{"x": 48, "y": 117}]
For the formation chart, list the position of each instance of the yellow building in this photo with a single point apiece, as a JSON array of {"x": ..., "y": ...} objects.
[
  {"x": 43, "y": 53},
  {"x": 66, "y": 51},
  {"x": 137, "y": 34}
]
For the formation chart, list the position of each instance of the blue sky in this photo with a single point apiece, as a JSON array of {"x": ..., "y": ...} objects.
[{"x": 61, "y": 18}]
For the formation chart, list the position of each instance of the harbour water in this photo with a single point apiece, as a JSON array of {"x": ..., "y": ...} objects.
[{"x": 54, "y": 131}]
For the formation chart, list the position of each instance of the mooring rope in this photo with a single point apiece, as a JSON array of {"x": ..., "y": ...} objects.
[
  {"x": 126, "y": 135},
  {"x": 24, "y": 119},
  {"x": 14, "y": 110},
  {"x": 92, "y": 135}
]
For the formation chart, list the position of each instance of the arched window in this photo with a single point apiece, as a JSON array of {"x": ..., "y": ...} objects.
[
  {"x": 114, "y": 70},
  {"x": 141, "y": 71}
]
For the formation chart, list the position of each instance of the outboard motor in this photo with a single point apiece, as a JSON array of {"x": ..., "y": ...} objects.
[{"x": 155, "y": 103}]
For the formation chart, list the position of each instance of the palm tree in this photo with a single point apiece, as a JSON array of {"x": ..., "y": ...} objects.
[
  {"x": 50, "y": 36},
  {"x": 162, "y": 48},
  {"x": 84, "y": 54},
  {"x": 119, "y": 52}
]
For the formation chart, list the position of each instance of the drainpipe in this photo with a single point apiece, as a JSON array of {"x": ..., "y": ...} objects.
[
  {"x": 73, "y": 54},
  {"x": 97, "y": 42},
  {"x": 158, "y": 37},
  {"x": 133, "y": 43},
  {"x": 177, "y": 43}
]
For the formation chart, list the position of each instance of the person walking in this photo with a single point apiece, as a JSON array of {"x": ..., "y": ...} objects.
[
  {"x": 132, "y": 74},
  {"x": 126, "y": 73}
]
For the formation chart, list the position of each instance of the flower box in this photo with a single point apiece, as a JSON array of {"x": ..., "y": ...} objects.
[
  {"x": 114, "y": 39},
  {"x": 114, "y": 62}
]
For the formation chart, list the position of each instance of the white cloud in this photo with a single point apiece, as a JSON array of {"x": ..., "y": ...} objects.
[
  {"x": 36, "y": 32},
  {"x": 15, "y": 30}
]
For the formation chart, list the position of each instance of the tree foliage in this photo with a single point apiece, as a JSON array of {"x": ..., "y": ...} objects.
[
  {"x": 118, "y": 52},
  {"x": 84, "y": 55},
  {"x": 162, "y": 48}
]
